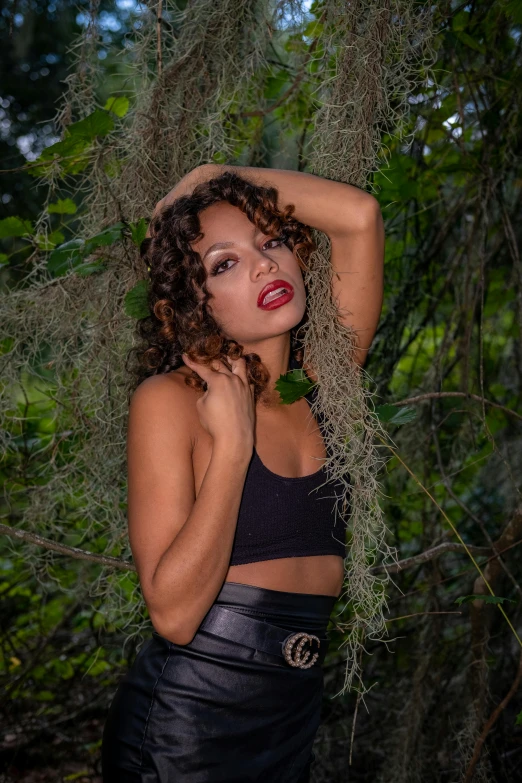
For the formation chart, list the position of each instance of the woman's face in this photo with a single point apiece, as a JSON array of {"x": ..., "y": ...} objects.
[{"x": 238, "y": 273}]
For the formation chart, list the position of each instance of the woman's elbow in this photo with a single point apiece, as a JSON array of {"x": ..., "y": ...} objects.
[{"x": 180, "y": 633}]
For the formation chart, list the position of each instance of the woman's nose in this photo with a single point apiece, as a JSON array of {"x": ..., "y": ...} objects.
[{"x": 264, "y": 263}]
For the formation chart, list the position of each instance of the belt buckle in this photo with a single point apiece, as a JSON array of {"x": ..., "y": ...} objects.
[{"x": 296, "y": 657}]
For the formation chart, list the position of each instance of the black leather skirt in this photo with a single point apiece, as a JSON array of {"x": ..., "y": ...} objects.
[{"x": 218, "y": 711}]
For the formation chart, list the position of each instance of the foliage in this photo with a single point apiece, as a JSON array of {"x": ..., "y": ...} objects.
[
  {"x": 293, "y": 385},
  {"x": 446, "y": 363}
]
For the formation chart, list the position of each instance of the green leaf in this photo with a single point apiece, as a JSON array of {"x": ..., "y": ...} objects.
[
  {"x": 513, "y": 9},
  {"x": 138, "y": 231},
  {"x": 14, "y": 227},
  {"x": 72, "y": 150},
  {"x": 391, "y": 414},
  {"x": 44, "y": 696},
  {"x": 71, "y": 254},
  {"x": 518, "y": 721},
  {"x": 64, "y": 669},
  {"x": 470, "y": 41},
  {"x": 460, "y": 21},
  {"x": 136, "y": 304},
  {"x": 50, "y": 241},
  {"x": 98, "y": 668},
  {"x": 57, "y": 237},
  {"x": 3, "y": 259},
  {"x": 99, "y": 123},
  {"x": 64, "y": 206},
  {"x": 66, "y": 257},
  {"x": 43, "y": 242},
  {"x": 488, "y": 599},
  {"x": 118, "y": 105},
  {"x": 91, "y": 268},
  {"x": 293, "y": 385},
  {"x": 313, "y": 29},
  {"x": 275, "y": 84},
  {"x": 219, "y": 157},
  {"x": 108, "y": 236}
]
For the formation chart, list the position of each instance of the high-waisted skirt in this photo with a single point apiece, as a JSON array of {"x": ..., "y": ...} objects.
[{"x": 217, "y": 711}]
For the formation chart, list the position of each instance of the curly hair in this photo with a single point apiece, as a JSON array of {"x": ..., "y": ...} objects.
[{"x": 179, "y": 321}]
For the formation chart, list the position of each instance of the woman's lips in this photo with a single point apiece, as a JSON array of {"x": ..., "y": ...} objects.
[{"x": 276, "y": 298}]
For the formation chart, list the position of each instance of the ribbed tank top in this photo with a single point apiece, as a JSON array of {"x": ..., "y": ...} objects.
[{"x": 287, "y": 517}]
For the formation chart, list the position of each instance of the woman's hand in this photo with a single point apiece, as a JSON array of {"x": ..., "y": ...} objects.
[
  {"x": 187, "y": 184},
  {"x": 226, "y": 410}
]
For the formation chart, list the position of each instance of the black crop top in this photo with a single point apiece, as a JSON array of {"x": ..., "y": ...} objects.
[{"x": 287, "y": 517}]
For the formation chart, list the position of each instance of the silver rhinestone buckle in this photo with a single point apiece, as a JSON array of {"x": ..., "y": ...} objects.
[{"x": 296, "y": 657}]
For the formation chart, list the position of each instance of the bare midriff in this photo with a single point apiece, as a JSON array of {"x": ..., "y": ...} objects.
[{"x": 318, "y": 574}]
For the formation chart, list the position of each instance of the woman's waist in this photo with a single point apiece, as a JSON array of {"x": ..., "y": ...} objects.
[
  {"x": 300, "y": 611},
  {"x": 321, "y": 575}
]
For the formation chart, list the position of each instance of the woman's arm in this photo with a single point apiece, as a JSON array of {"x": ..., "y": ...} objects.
[
  {"x": 181, "y": 544},
  {"x": 352, "y": 220},
  {"x": 333, "y": 207}
]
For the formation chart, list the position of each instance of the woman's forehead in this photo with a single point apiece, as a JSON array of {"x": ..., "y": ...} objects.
[{"x": 224, "y": 223}]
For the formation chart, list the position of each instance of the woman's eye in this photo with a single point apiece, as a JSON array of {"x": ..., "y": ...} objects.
[
  {"x": 279, "y": 240},
  {"x": 215, "y": 268}
]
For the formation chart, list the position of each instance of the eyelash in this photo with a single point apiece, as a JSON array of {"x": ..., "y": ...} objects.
[{"x": 281, "y": 240}]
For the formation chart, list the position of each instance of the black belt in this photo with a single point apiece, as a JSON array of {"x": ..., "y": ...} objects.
[{"x": 298, "y": 648}]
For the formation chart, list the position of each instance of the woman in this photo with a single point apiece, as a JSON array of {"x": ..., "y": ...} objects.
[{"x": 231, "y": 522}]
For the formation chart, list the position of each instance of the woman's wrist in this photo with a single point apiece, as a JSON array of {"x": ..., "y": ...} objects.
[{"x": 187, "y": 184}]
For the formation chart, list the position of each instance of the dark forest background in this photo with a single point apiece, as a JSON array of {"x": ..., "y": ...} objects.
[{"x": 446, "y": 699}]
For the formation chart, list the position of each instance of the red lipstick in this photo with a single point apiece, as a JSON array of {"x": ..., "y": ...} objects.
[{"x": 282, "y": 292}]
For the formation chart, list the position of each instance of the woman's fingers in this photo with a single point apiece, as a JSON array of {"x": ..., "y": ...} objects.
[
  {"x": 227, "y": 408},
  {"x": 238, "y": 367},
  {"x": 207, "y": 371}
]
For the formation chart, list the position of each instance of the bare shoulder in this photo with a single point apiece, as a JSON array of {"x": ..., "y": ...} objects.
[
  {"x": 165, "y": 400},
  {"x": 169, "y": 384}
]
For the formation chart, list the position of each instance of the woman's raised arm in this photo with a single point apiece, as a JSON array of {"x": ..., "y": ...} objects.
[{"x": 349, "y": 216}]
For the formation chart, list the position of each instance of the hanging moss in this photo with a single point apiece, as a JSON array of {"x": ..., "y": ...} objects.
[{"x": 197, "y": 76}]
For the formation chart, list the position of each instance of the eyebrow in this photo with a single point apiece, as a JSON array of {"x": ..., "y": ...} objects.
[
  {"x": 218, "y": 246},
  {"x": 225, "y": 245}
]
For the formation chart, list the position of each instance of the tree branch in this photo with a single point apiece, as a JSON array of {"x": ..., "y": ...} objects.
[
  {"x": 125, "y": 565},
  {"x": 491, "y": 721},
  {"x": 431, "y": 395},
  {"x": 63, "y": 549},
  {"x": 430, "y": 554}
]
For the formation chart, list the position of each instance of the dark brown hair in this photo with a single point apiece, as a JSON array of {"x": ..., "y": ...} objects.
[{"x": 179, "y": 321}]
